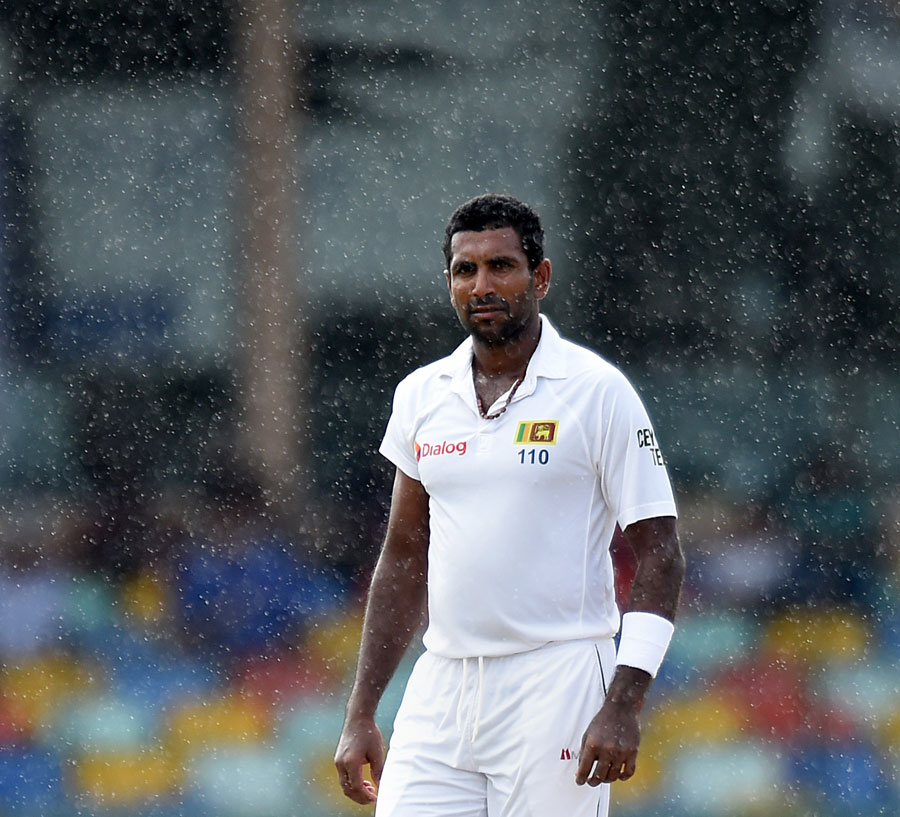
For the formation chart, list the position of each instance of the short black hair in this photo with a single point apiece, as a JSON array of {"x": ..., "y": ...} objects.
[{"x": 494, "y": 211}]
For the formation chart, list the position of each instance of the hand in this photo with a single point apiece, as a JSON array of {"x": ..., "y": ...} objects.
[
  {"x": 361, "y": 743},
  {"x": 611, "y": 741}
]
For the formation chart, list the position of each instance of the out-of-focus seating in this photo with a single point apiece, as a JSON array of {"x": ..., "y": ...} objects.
[
  {"x": 702, "y": 643},
  {"x": 690, "y": 720},
  {"x": 333, "y": 643},
  {"x": 846, "y": 779},
  {"x": 282, "y": 677},
  {"x": 102, "y": 724},
  {"x": 216, "y": 689},
  {"x": 121, "y": 779},
  {"x": 246, "y": 781},
  {"x": 211, "y": 723},
  {"x": 37, "y": 687},
  {"x": 31, "y": 782},
  {"x": 727, "y": 780},
  {"x": 818, "y": 635}
]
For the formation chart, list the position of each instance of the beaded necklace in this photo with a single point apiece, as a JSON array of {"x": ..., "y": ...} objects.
[
  {"x": 512, "y": 392},
  {"x": 505, "y": 406}
]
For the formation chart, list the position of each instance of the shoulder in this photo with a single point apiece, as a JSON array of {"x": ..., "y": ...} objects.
[
  {"x": 586, "y": 365},
  {"x": 597, "y": 390},
  {"x": 425, "y": 379},
  {"x": 427, "y": 373}
]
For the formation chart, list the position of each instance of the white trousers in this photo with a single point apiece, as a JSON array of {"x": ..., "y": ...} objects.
[{"x": 497, "y": 737}]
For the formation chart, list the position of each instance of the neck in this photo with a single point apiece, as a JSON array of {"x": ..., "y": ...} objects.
[{"x": 510, "y": 358}]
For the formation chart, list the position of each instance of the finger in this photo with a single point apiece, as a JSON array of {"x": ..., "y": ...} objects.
[
  {"x": 364, "y": 794},
  {"x": 353, "y": 785},
  {"x": 601, "y": 774},
  {"x": 586, "y": 759},
  {"x": 585, "y": 763},
  {"x": 613, "y": 773},
  {"x": 593, "y": 774},
  {"x": 616, "y": 770}
]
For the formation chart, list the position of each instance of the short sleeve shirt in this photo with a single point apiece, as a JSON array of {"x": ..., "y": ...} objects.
[{"x": 523, "y": 507}]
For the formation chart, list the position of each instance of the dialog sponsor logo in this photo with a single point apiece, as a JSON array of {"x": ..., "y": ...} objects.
[{"x": 438, "y": 449}]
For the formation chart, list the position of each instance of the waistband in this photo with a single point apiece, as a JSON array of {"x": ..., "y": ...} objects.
[{"x": 550, "y": 645}]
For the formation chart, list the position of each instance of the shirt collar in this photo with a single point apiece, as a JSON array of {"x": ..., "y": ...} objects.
[{"x": 548, "y": 361}]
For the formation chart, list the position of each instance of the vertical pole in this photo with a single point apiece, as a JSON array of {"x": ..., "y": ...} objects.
[{"x": 273, "y": 352}]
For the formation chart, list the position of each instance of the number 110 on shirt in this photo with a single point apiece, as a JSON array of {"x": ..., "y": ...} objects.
[{"x": 531, "y": 456}]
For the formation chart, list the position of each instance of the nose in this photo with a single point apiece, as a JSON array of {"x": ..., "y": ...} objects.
[{"x": 483, "y": 283}]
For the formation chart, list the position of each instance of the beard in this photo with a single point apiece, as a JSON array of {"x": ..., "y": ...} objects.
[{"x": 500, "y": 330}]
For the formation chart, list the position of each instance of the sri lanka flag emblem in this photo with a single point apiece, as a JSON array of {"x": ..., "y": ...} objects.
[{"x": 537, "y": 432}]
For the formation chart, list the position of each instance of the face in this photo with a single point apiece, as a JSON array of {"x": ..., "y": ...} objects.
[{"x": 492, "y": 290}]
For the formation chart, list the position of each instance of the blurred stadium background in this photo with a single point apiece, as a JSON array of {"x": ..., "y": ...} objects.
[{"x": 220, "y": 226}]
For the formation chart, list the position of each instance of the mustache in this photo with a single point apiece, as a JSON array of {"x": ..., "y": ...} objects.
[{"x": 487, "y": 303}]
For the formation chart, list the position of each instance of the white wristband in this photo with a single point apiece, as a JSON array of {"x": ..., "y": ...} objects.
[{"x": 644, "y": 641}]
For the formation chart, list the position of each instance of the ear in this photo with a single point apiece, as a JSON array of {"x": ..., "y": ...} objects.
[
  {"x": 543, "y": 272},
  {"x": 449, "y": 290}
]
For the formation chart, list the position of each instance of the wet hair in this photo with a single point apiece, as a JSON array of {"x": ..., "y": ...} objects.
[{"x": 494, "y": 211}]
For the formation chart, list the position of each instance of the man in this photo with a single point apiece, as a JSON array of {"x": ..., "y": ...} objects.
[{"x": 516, "y": 457}]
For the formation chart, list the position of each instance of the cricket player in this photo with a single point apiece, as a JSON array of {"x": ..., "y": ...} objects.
[{"x": 516, "y": 458}]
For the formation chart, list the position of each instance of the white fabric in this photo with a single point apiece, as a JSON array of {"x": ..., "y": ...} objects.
[
  {"x": 520, "y": 531},
  {"x": 501, "y": 741},
  {"x": 644, "y": 641}
]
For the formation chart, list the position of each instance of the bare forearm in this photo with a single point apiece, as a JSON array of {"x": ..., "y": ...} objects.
[
  {"x": 612, "y": 737},
  {"x": 396, "y": 596},
  {"x": 656, "y": 589},
  {"x": 393, "y": 614}
]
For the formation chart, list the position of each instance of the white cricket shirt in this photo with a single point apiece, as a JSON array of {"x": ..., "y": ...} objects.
[{"x": 522, "y": 508}]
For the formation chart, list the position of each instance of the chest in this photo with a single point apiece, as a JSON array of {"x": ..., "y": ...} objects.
[{"x": 531, "y": 443}]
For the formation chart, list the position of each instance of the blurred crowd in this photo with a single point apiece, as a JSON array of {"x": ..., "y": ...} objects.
[{"x": 208, "y": 677}]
